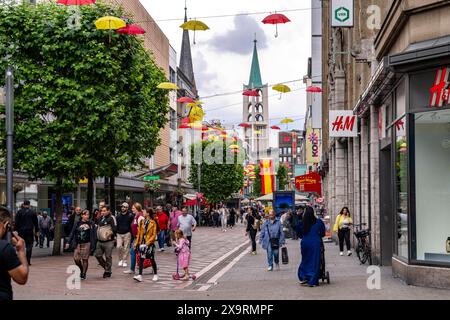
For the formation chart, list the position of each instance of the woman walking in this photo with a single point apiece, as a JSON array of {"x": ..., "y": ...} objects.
[
  {"x": 342, "y": 227},
  {"x": 271, "y": 239},
  {"x": 82, "y": 238},
  {"x": 145, "y": 243},
  {"x": 311, "y": 231},
  {"x": 138, "y": 217}
]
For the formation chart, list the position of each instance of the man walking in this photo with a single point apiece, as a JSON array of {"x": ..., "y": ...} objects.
[
  {"x": 45, "y": 224},
  {"x": 106, "y": 232},
  {"x": 26, "y": 225},
  {"x": 187, "y": 224},
  {"x": 124, "y": 220},
  {"x": 163, "y": 223},
  {"x": 36, "y": 236}
]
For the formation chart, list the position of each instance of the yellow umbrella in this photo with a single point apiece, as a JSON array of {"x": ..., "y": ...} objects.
[
  {"x": 287, "y": 120},
  {"x": 258, "y": 132},
  {"x": 109, "y": 23},
  {"x": 198, "y": 102},
  {"x": 282, "y": 88},
  {"x": 167, "y": 86},
  {"x": 191, "y": 104},
  {"x": 196, "y": 114},
  {"x": 194, "y": 25},
  {"x": 234, "y": 146}
]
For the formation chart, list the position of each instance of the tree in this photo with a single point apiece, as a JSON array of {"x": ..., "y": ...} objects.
[
  {"x": 282, "y": 176},
  {"x": 218, "y": 180},
  {"x": 257, "y": 189},
  {"x": 84, "y": 105}
]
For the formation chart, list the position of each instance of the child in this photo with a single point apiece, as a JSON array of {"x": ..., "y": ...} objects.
[{"x": 183, "y": 252}]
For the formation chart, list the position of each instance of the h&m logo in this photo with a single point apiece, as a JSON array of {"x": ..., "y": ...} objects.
[{"x": 440, "y": 90}]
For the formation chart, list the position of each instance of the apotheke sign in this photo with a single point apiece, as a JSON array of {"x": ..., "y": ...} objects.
[{"x": 342, "y": 13}]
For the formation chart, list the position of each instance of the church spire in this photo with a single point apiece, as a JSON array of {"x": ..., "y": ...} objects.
[
  {"x": 255, "y": 73},
  {"x": 186, "y": 56}
]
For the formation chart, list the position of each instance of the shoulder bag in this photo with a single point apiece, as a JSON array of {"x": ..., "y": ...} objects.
[{"x": 274, "y": 242}]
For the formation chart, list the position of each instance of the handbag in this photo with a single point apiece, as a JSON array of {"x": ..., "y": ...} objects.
[
  {"x": 274, "y": 242},
  {"x": 284, "y": 255}
]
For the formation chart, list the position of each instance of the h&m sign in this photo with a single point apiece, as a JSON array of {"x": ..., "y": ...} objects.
[{"x": 343, "y": 123}]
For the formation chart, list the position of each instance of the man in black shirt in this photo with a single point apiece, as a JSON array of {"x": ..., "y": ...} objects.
[
  {"x": 106, "y": 233},
  {"x": 13, "y": 262},
  {"x": 27, "y": 225},
  {"x": 252, "y": 228},
  {"x": 124, "y": 220}
]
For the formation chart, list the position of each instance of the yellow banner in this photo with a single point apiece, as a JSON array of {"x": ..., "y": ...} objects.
[{"x": 313, "y": 145}]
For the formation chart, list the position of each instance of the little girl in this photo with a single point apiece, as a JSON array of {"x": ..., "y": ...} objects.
[{"x": 184, "y": 254}]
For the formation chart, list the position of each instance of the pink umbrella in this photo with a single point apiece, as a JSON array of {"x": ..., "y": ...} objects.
[
  {"x": 131, "y": 29},
  {"x": 275, "y": 128},
  {"x": 186, "y": 100},
  {"x": 250, "y": 93},
  {"x": 185, "y": 121},
  {"x": 245, "y": 125},
  {"x": 313, "y": 89}
]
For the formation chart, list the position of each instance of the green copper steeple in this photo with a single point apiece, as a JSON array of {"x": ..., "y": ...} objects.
[{"x": 255, "y": 74}]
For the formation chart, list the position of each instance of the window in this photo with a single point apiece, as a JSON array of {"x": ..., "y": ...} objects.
[
  {"x": 432, "y": 184},
  {"x": 299, "y": 150},
  {"x": 172, "y": 75},
  {"x": 173, "y": 119},
  {"x": 259, "y": 118},
  {"x": 289, "y": 150}
]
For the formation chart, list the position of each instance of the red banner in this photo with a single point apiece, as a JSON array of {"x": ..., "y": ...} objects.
[
  {"x": 267, "y": 172},
  {"x": 311, "y": 182}
]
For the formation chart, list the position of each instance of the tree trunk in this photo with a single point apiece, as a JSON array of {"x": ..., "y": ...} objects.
[
  {"x": 106, "y": 188},
  {"x": 58, "y": 223},
  {"x": 90, "y": 192},
  {"x": 112, "y": 194}
]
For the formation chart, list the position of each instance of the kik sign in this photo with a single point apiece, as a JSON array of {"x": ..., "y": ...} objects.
[
  {"x": 313, "y": 149},
  {"x": 440, "y": 89},
  {"x": 343, "y": 124}
]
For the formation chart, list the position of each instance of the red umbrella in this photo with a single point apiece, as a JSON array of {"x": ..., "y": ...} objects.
[
  {"x": 76, "y": 2},
  {"x": 275, "y": 128},
  {"x": 313, "y": 89},
  {"x": 250, "y": 93},
  {"x": 184, "y": 126},
  {"x": 185, "y": 120},
  {"x": 131, "y": 29},
  {"x": 245, "y": 125},
  {"x": 186, "y": 100},
  {"x": 276, "y": 19}
]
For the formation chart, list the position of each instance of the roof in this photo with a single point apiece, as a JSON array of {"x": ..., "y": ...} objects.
[
  {"x": 255, "y": 73},
  {"x": 186, "y": 65}
]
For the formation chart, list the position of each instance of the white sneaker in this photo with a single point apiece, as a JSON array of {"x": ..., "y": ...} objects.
[
  {"x": 155, "y": 278},
  {"x": 138, "y": 278},
  {"x": 162, "y": 249},
  {"x": 269, "y": 268},
  {"x": 128, "y": 272},
  {"x": 341, "y": 254},
  {"x": 120, "y": 263},
  {"x": 349, "y": 252},
  {"x": 124, "y": 264}
]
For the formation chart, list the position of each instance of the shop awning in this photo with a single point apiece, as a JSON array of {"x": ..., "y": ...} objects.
[{"x": 164, "y": 172}]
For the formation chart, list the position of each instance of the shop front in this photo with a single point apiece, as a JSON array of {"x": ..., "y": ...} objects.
[{"x": 420, "y": 132}]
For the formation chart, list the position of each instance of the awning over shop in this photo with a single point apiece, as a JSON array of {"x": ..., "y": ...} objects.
[{"x": 164, "y": 172}]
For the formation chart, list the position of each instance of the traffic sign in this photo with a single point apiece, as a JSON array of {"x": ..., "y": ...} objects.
[
  {"x": 151, "y": 178},
  {"x": 342, "y": 13}
]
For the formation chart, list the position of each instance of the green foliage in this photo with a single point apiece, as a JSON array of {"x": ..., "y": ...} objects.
[
  {"x": 218, "y": 180},
  {"x": 282, "y": 177}
]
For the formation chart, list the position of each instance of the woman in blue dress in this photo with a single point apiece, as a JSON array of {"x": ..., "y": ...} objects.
[{"x": 310, "y": 230}]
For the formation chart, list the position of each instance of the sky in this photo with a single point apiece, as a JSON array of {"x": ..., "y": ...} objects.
[{"x": 222, "y": 55}]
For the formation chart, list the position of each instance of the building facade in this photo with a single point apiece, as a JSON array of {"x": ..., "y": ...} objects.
[{"x": 394, "y": 175}]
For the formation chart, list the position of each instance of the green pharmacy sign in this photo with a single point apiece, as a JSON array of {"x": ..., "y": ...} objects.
[
  {"x": 151, "y": 178},
  {"x": 342, "y": 13}
]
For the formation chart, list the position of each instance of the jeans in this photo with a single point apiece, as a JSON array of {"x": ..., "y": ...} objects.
[
  {"x": 252, "y": 234},
  {"x": 344, "y": 234},
  {"x": 190, "y": 241},
  {"x": 29, "y": 240},
  {"x": 161, "y": 238},
  {"x": 105, "y": 248},
  {"x": 123, "y": 245},
  {"x": 45, "y": 233},
  {"x": 152, "y": 259},
  {"x": 273, "y": 254},
  {"x": 132, "y": 258}
]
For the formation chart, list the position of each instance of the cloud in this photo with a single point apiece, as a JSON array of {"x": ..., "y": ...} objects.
[
  {"x": 204, "y": 79},
  {"x": 239, "y": 39}
]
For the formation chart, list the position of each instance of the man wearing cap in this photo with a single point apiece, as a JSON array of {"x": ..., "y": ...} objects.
[{"x": 124, "y": 220}]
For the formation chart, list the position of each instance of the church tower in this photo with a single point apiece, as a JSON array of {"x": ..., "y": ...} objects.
[{"x": 256, "y": 112}]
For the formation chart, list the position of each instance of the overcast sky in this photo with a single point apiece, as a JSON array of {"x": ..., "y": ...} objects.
[{"x": 222, "y": 55}]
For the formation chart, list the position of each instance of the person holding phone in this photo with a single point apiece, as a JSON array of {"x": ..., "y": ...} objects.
[{"x": 13, "y": 260}]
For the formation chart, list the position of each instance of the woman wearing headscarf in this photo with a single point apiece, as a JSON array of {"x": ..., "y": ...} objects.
[{"x": 311, "y": 230}]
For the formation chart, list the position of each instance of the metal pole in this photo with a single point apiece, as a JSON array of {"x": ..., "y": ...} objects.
[{"x": 9, "y": 136}]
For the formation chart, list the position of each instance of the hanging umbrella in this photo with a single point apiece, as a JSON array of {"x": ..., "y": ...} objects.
[
  {"x": 287, "y": 121},
  {"x": 258, "y": 132},
  {"x": 245, "y": 125},
  {"x": 75, "y": 2},
  {"x": 275, "y": 128},
  {"x": 191, "y": 105},
  {"x": 275, "y": 19},
  {"x": 131, "y": 29},
  {"x": 194, "y": 25},
  {"x": 184, "y": 126},
  {"x": 251, "y": 93},
  {"x": 185, "y": 121},
  {"x": 185, "y": 100},
  {"x": 196, "y": 114},
  {"x": 282, "y": 88},
  {"x": 109, "y": 23},
  {"x": 198, "y": 102},
  {"x": 314, "y": 89},
  {"x": 167, "y": 86},
  {"x": 234, "y": 146}
]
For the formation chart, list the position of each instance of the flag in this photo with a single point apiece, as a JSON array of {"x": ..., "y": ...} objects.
[{"x": 267, "y": 173}]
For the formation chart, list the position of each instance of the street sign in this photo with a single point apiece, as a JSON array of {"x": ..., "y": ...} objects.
[
  {"x": 151, "y": 178},
  {"x": 342, "y": 13},
  {"x": 343, "y": 123}
]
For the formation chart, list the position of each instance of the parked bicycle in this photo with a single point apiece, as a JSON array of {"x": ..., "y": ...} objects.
[{"x": 363, "y": 248}]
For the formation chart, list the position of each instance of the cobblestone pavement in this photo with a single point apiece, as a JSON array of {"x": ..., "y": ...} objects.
[{"x": 226, "y": 271}]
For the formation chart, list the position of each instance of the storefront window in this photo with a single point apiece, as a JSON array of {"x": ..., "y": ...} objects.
[{"x": 432, "y": 183}]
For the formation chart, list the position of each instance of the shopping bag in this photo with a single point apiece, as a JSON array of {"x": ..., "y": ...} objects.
[
  {"x": 147, "y": 262},
  {"x": 284, "y": 255}
]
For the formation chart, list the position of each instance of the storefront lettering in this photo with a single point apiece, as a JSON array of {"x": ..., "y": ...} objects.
[
  {"x": 313, "y": 137},
  {"x": 440, "y": 91},
  {"x": 340, "y": 124}
]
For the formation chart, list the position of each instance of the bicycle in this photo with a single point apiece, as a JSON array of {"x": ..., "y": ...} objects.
[{"x": 363, "y": 248}]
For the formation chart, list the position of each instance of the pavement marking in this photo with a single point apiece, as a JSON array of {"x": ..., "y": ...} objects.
[
  {"x": 219, "y": 274},
  {"x": 204, "y": 288}
]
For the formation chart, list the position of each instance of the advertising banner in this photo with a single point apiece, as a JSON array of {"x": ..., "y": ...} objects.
[
  {"x": 267, "y": 173},
  {"x": 311, "y": 182},
  {"x": 313, "y": 149}
]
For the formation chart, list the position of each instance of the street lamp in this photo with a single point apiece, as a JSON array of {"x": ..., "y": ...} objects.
[{"x": 9, "y": 112}]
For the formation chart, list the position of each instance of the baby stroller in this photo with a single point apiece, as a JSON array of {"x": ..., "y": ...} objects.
[{"x": 324, "y": 275}]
